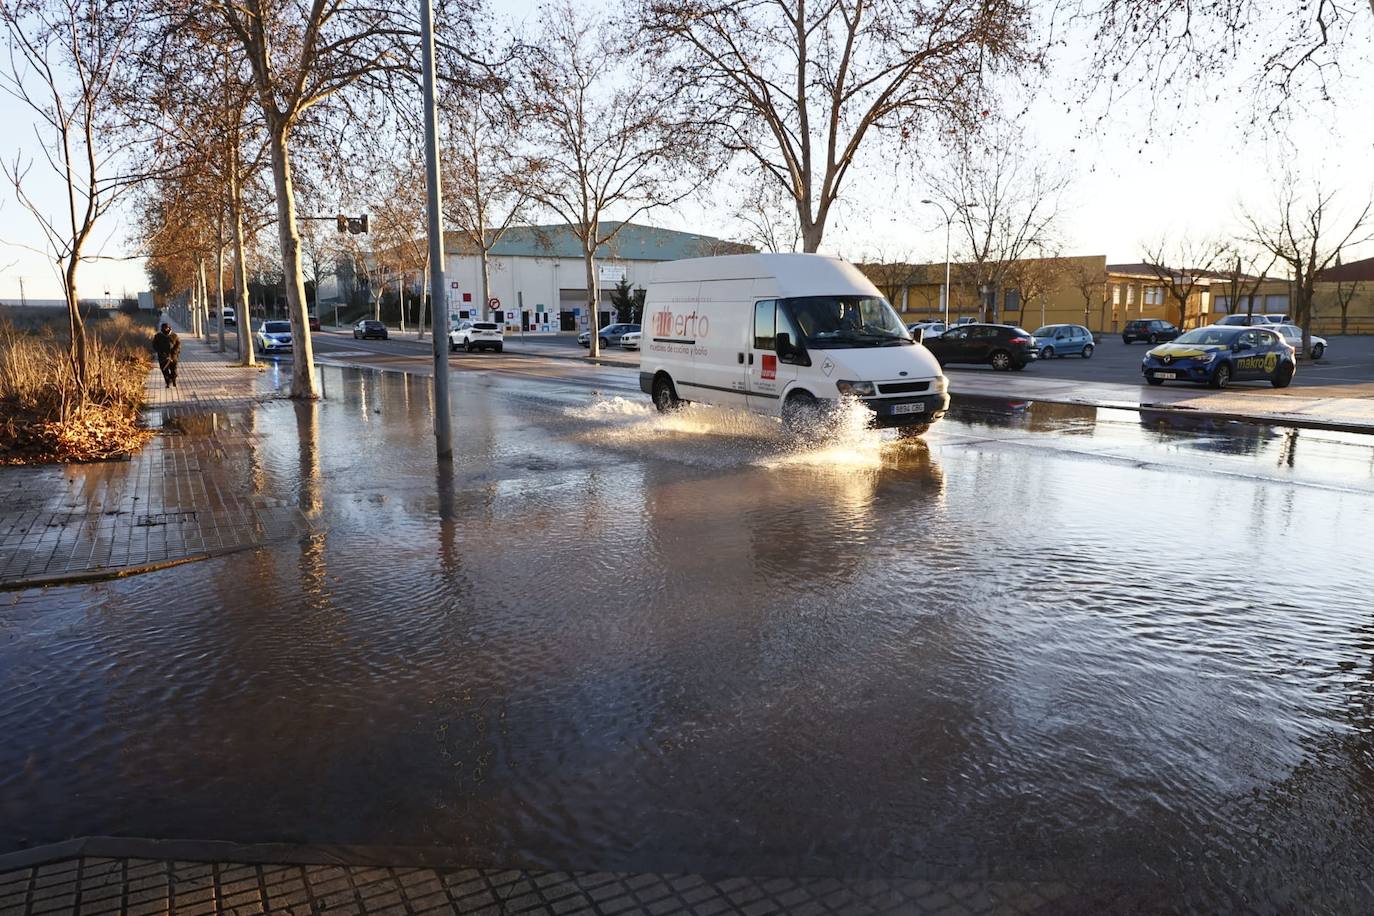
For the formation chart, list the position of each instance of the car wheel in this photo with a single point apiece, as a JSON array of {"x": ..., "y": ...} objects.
[
  {"x": 915, "y": 431},
  {"x": 1317, "y": 351},
  {"x": 355, "y": 335},
  {"x": 1152, "y": 339},
  {"x": 1087, "y": 351},
  {"x": 665, "y": 396},
  {"x": 801, "y": 414},
  {"x": 467, "y": 345},
  {"x": 1284, "y": 377},
  {"x": 604, "y": 342},
  {"x": 1000, "y": 360},
  {"x": 1154, "y": 381},
  {"x": 1047, "y": 353},
  {"x": 1222, "y": 377},
  {"x": 452, "y": 347}
]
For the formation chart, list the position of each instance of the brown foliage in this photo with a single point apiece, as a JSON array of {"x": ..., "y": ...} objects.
[{"x": 43, "y": 420}]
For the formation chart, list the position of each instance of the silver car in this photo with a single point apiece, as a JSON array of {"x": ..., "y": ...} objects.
[
  {"x": 609, "y": 335},
  {"x": 1292, "y": 335}
]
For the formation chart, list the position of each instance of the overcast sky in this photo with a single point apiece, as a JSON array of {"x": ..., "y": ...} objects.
[{"x": 1131, "y": 185}]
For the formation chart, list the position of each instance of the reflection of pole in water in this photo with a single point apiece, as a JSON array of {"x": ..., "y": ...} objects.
[
  {"x": 1288, "y": 451},
  {"x": 310, "y": 500},
  {"x": 448, "y": 519}
]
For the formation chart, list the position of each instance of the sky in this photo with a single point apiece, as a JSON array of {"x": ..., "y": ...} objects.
[{"x": 1132, "y": 185}]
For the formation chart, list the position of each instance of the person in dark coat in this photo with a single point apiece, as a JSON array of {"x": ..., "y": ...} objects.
[{"x": 167, "y": 346}]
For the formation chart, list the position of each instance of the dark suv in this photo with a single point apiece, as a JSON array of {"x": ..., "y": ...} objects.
[
  {"x": 1002, "y": 346},
  {"x": 1150, "y": 330}
]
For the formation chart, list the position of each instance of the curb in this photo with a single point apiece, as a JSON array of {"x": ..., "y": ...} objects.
[{"x": 241, "y": 853}]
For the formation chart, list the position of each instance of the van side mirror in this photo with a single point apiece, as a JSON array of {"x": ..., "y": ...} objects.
[
  {"x": 783, "y": 344},
  {"x": 920, "y": 335}
]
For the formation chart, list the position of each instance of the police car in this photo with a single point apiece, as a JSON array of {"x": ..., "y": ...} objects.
[{"x": 1219, "y": 355}]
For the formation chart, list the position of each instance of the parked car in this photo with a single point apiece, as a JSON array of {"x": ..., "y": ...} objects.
[
  {"x": 1002, "y": 346},
  {"x": 1150, "y": 330},
  {"x": 229, "y": 317},
  {"x": 1292, "y": 335},
  {"x": 608, "y": 335},
  {"x": 1063, "y": 340},
  {"x": 1278, "y": 319},
  {"x": 630, "y": 340},
  {"x": 1249, "y": 321},
  {"x": 273, "y": 337},
  {"x": 929, "y": 328},
  {"x": 369, "y": 327},
  {"x": 476, "y": 335},
  {"x": 1218, "y": 355},
  {"x": 314, "y": 322},
  {"x": 967, "y": 319}
]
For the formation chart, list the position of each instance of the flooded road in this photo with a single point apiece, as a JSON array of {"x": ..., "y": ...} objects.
[{"x": 1052, "y": 643}]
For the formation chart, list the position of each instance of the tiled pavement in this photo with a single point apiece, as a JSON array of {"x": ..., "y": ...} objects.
[
  {"x": 97, "y": 885},
  {"x": 180, "y": 498}
]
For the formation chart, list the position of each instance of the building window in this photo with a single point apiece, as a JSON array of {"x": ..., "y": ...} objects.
[
  {"x": 1116, "y": 294},
  {"x": 1223, "y": 305},
  {"x": 1154, "y": 295},
  {"x": 1130, "y": 295}
]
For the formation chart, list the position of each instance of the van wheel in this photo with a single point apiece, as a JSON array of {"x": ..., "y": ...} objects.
[
  {"x": 665, "y": 397},
  {"x": 801, "y": 415},
  {"x": 1001, "y": 360},
  {"x": 912, "y": 432}
]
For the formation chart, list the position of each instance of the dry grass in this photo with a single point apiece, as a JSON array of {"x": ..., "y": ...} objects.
[{"x": 41, "y": 417}]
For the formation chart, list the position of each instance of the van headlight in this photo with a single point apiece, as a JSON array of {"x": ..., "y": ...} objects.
[
  {"x": 855, "y": 389},
  {"x": 941, "y": 384}
]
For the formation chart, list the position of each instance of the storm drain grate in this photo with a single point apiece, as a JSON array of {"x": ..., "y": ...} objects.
[{"x": 166, "y": 518}]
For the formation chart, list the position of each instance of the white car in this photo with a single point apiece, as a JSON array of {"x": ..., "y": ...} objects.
[
  {"x": 630, "y": 341},
  {"x": 273, "y": 337},
  {"x": 1292, "y": 335},
  {"x": 931, "y": 328},
  {"x": 475, "y": 335}
]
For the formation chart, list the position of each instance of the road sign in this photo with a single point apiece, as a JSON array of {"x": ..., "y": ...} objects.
[{"x": 493, "y": 303}]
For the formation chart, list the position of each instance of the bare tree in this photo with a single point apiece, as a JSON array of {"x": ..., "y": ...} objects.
[
  {"x": 1243, "y": 278},
  {"x": 301, "y": 55},
  {"x": 800, "y": 88},
  {"x": 1305, "y": 232},
  {"x": 769, "y": 216},
  {"x": 604, "y": 141},
  {"x": 1345, "y": 294},
  {"x": 1005, "y": 199},
  {"x": 1088, "y": 277},
  {"x": 1283, "y": 49},
  {"x": 1184, "y": 268},
  {"x": 1034, "y": 276},
  {"x": 66, "y": 65}
]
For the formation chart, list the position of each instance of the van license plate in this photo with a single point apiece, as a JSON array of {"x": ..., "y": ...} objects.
[
  {"x": 1166, "y": 375},
  {"x": 908, "y": 408}
]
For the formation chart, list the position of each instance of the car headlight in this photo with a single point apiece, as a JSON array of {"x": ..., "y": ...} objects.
[{"x": 856, "y": 389}]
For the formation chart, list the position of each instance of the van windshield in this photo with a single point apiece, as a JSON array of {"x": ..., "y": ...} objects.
[{"x": 833, "y": 322}]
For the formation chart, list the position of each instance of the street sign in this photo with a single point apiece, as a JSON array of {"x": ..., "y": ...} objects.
[{"x": 493, "y": 303}]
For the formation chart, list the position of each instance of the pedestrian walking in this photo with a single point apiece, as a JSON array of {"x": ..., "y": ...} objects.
[{"x": 167, "y": 346}]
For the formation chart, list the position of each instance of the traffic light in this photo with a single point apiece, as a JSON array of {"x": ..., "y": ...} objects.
[{"x": 343, "y": 223}]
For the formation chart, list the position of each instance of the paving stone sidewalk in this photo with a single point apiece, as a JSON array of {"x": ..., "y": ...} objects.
[
  {"x": 140, "y": 887},
  {"x": 182, "y": 497}
]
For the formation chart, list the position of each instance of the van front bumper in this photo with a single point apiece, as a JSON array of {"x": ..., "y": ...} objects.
[{"x": 907, "y": 411}]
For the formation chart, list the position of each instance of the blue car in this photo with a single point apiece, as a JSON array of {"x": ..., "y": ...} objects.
[
  {"x": 1220, "y": 355},
  {"x": 1064, "y": 340}
]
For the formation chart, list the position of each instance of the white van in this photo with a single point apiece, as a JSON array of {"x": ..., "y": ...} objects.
[
  {"x": 229, "y": 316},
  {"x": 787, "y": 335}
]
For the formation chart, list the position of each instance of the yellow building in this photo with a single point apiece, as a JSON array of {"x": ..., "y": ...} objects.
[{"x": 1342, "y": 299}]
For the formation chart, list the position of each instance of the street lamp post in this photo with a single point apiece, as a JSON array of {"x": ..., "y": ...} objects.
[
  {"x": 945, "y": 214},
  {"x": 443, "y": 429}
]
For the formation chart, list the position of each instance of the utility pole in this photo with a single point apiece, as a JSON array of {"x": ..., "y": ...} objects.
[
  {"x": 23, "y": 299},
  {"x": 443, "y": 423}
]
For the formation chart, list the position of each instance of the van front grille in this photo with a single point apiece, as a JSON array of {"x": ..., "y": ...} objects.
[{"x": 902, "y": 387}]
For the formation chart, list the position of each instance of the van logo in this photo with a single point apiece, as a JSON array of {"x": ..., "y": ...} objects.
[
  {"x": 770, "y": 366},
  {"x": 687, "y": 327}
]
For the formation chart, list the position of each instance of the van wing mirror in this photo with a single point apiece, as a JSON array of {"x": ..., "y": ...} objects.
[
  {"x": 783, "y": 344},
  {"x": 920, "y": 335}
]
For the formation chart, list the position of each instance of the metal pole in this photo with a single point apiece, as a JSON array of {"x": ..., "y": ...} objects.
[
  {"x": 443, "y": 425},
  {"x": 946, "y": 272}
]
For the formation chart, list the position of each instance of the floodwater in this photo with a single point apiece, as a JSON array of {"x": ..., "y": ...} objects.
[{"x": 1051, "y": 644}]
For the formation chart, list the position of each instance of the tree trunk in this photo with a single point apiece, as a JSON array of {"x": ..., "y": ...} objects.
[
  {"x": 811, "y": 236},
  {"x": 246, "y": 357},
  {"x": 76, "y": 352},
  {"x": 593, "y": 319},
  {"x": 219, "y": 283},
  {"x": 303, "y": 384},
  {"x": 486, "y": 283},
  {"x": 204, "y": 299}
]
